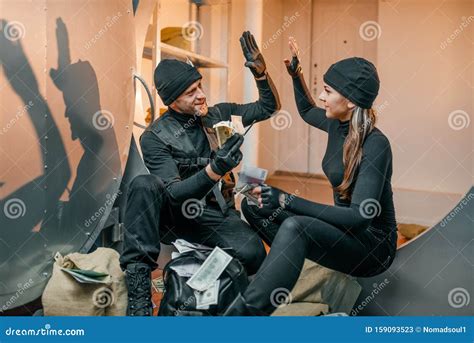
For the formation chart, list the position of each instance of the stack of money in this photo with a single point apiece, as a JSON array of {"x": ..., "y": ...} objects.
[
  {"x": 87, "y": 276},
  {"x": 249, "y": 178},
  {"x": 224, "y": 131}
]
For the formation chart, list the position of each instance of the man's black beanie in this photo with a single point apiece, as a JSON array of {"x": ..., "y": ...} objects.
[
  {"x": 173, "y": 77},
  {"x": 356, "y": 79}
]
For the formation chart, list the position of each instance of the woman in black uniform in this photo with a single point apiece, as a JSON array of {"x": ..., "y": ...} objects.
[{"x": 358, "y": 235}]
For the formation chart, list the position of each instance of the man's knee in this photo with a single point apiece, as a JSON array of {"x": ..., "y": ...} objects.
[{"x": 147, "y": 183}]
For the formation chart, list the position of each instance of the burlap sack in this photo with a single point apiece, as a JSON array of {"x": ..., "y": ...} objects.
[
  {"x": 319, "y": 291},
  {"x": 64, "y": 296}
]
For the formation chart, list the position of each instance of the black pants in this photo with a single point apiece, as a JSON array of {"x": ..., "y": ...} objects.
[
  {"x": 294, "y": 238},
  {"x": 150, "y": 219}
]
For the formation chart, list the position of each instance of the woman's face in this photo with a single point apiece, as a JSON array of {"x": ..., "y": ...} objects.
[{"x": 336, "y": 105}]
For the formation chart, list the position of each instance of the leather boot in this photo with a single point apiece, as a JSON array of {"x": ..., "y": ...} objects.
[
  {"x": 138, "y": 279},
  {"x": 239, "y": 307}
]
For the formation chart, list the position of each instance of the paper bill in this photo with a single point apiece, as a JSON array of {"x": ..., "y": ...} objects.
[
  {"x": 87, "y": 276},
  {"x": 252, "y": 175},
  {"x": 186, "y": 269},
  {"x": 237, "y": 124},
  {"x": 224, "y": 130},
  {"x": 249, "y": 178},
  {"x": 182, "y": 246},
  {"x": 210, "y": 270},
  {"x": 209, "y": 297}
]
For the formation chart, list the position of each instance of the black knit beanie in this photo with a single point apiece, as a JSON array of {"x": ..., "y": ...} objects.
[
  {"x": 173, "y": 77},
  {"x": 356, "y": 79}
]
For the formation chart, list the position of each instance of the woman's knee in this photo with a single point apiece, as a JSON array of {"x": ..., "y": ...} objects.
[{"x": 292, "y": 226}]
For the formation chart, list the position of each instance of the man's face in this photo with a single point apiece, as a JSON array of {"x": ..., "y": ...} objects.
[{"x": 192, "y": 101}]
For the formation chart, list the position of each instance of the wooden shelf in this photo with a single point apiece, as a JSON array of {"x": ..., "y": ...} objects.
[{"x": 199, "y": 61}]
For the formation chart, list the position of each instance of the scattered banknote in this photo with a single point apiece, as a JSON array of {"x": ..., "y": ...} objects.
[
  {"x": 182, "y": 246},
  {"x": 210, "y": 270},
  {"x": 185, "y": 269},
  {"x": 209, "y": 297}
]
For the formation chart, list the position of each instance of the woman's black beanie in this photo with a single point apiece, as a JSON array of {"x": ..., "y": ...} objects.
[{"x": 356, "y": 79}]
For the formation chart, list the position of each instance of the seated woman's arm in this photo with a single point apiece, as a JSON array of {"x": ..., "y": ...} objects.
[
  {"x": 313, "y": 115},
  {"x": 307, "y": 108},
  {"x": 367, "y": 191}
]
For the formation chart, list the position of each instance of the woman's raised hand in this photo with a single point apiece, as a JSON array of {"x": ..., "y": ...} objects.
[{"x": 293, "y": 66}]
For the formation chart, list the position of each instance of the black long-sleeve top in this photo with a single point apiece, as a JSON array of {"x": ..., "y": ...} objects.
[
  {"x": 372, "y": 198},
  {"x": 157, "y": 153}
]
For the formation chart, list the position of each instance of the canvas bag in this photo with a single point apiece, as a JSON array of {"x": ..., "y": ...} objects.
[{"x": 65, "y": 296}]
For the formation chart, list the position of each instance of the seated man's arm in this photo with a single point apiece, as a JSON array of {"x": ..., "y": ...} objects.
[
  {"x": 158, "y": 160},
  {"x": 267, "y": 103}
]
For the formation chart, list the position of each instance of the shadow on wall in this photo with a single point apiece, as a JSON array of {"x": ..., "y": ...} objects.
[{"x": 62, "y": 224}]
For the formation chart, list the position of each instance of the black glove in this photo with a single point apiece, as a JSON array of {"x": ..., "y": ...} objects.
[
  {"x": 229, "y": 156},
  {"x": 273, "y": 197},
  {"x": 252, "y": 54},
  {"x": 294, "y": 66}
]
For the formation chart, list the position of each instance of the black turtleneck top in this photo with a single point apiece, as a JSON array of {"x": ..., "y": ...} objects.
[
  {"x": 371, "y": 203},
  {"x": 158, "y": 154}
]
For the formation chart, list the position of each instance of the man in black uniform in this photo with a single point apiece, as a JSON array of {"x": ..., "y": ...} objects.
[{"x": 189, "y": 191}]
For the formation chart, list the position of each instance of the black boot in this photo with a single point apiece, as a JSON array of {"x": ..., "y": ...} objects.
[
  {"x": 138, "y": 278},
  {"x": 239, "y": 307}
]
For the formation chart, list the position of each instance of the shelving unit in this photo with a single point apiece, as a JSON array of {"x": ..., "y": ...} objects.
[
  {"x": 169, "y": 51},
  {"x": 208, "y": 53}
]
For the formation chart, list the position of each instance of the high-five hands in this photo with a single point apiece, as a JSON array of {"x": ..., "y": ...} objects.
[
  {"x": 253, "y": 56},
  {"x": 293, "y": 67}
]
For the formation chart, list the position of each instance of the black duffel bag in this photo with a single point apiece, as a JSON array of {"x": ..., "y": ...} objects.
[{"x": 179, "y": 299}]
